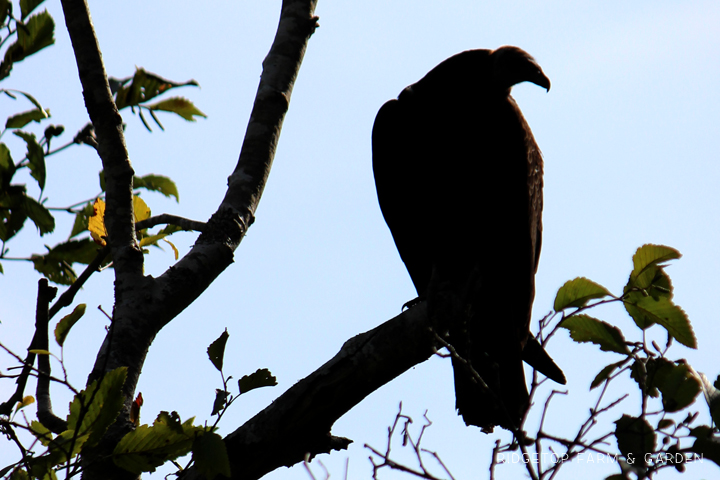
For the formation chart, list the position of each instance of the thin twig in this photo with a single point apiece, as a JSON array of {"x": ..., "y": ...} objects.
[
  {"x": 34, "y": 371},
  {"x": 165, "y": 218},
  {"x": 29, "y": 361},
  {"x": 68, "y": 295},
  {"x": 494, "y": 461}
]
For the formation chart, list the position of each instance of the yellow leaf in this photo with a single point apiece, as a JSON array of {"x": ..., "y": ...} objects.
[
  {"x": 39, "y": 351},
  {"x": 96, "y": 223},
  {"x": 152, "y": 239},
  {"x": 177, "y": 254},
  {"x": 142, "y": 211},
  {"x": 28, "y": 400}
]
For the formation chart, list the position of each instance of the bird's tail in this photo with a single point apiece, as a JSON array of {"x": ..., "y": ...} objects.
[{"x": 493, "y": 392}]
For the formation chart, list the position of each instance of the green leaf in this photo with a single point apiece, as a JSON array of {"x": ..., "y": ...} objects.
[
  {"x": 59, "y": 272},
  {"x": 211, "y": 456},
  {"x": 261, "y": 378},
  {"x": 97, "y": 407},
  {"x": 152, "y": 240},
  {"x": 143, "y": 87},
  {"x": 7, "y": 167},
  {"x": 643, "y": 372},
  {"x": 40, "y": 216},
  {"x": 37, "y": 34},
  {"x": 21, "y": 119},
  {"x": 706, "y": 444},
  {"x": 154, "y": 117},
  {"x": 81, "y": 220},
  {"x": 170, "y": 229},
  {"x": 27, "y": 6},
  {"x": 179, "y": 105},
  {"x": 157, "y": 183},
  {"x": 646, "y": 311},
  {"x": 18, "y": 474},
  {"x": 584, "y": 328},
  {"x": 53, "y": 131},
  {"x": 678, "y": 385},
  {"x": 30, "y": 98},
  {"x": 665, "y": 423},
  {"x": 220, "y": 400},
  {"x": 50, "y": 475},
  {"x": 635, "y": 437},
  {"x": 216, "y": 350},
  {"x": 12, "y": 211},
  {"x": 604, "y": 374},
  {"x": 60, "y": 449},
  {"x": 63, "y": 327},
  {"x": 146, "y": 448},
  {"x": 35, "y": 156},
  {"x": 41, "y": 432},
  {"x": 39, "y": 351},
  {"x": 4, "y": 4},
  {"x": 577, "y": 292},
  {"x": 56, "y": 265},
  {"x": 646, "y": 260},
  {"x": 170, "y": 420}
]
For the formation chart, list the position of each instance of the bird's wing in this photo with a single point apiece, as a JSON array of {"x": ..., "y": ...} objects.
[
  {"x": 535, "y": 187},
  {"x": 399, "y": 189}
]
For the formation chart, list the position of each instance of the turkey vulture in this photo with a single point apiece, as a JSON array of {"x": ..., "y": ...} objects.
[{"x": 459, "y": 182}]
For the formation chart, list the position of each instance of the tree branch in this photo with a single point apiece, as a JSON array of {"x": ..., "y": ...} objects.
[
  {"x": 68, "y": 295},
  {"x": 45, "y": 413},
  {"x": 300, "y": 420},
  {"x": 213, "y": 251},
  {"x": 39, "y": 341},
  {"x": 166, "y": 218},
  {"x": 107, "y": 124},
  {"x": 143, "y": 305}
]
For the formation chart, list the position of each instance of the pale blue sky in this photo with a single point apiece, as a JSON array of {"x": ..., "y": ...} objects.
[{"x": 629, "y": 133}]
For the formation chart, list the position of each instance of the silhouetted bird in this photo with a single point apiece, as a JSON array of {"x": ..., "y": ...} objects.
[{"x": 459, "y": 182}]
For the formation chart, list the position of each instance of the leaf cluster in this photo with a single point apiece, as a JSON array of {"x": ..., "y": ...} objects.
[
  {"x": 648, "y": 299},
  {"x": 22, "y": 37},
  {"x": 92, "y": 411},
  {"x": 136, "y": 91}
]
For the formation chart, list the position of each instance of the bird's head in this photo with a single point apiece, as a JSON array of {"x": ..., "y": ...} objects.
[{"x": 512, "y": 65}]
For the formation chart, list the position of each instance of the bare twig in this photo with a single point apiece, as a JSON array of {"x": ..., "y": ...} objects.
[
  {"x": 306, "y": 464},
  {"x": 387, "y": 462},
  {"x": 494, "y": 460},
  {"x": 34, "y": 371},
  {"x": 68, "y": 295},
  {"x": 21, "y": 381},
  {"x": 166, "y": 218}
]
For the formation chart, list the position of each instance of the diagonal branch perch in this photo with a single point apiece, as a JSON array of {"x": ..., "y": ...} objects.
[{"x": 299, "y": 421}]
